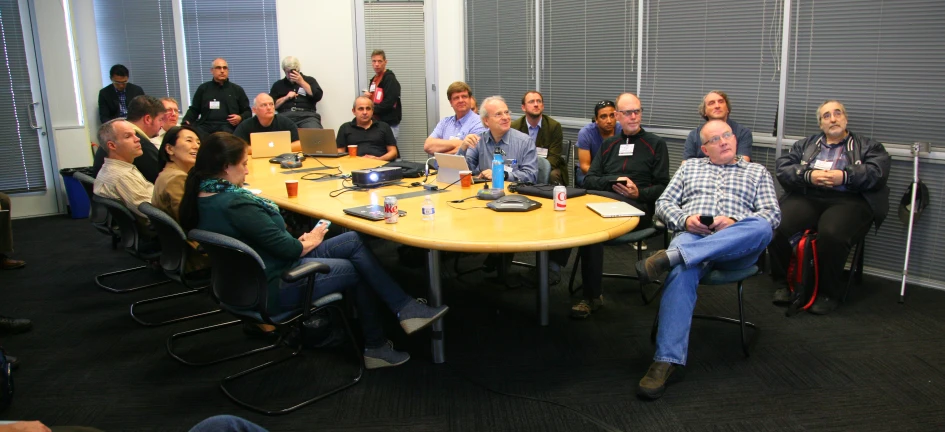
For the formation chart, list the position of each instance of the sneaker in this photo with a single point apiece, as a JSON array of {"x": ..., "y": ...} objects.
[
  {"x": 417, "y": 315},
  {"x": 384, "y": 356},
  {"x": 823, "y": 305},
  {"x": 641, "y": 247},
  {"x": 782, "y": 297},
  {"x": 651, "y": 268},
  {"x": 584, "y": 308},
  {"x": 653, "y": 383}
]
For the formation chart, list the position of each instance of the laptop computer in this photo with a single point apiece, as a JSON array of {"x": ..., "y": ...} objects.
[
  {"x": 269, "y": 144},
  {"x": 319, "y": 143},
  {"x": 615, "y": 209},
  {"x": 370, "y": 212},
  {"x": 449, "y": 166}
]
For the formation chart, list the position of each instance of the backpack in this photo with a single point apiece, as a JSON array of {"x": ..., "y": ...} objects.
[
  {"x": 6, "y": 381},
  {"x": 803, "y": 272}
]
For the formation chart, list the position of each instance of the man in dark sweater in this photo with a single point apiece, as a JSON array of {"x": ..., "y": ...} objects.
[
  {"x": 384, "y": 91},
  {"x": 266, "y": 120},
  {"x": 146, "y": 114},
  {"x": 113, "y": 99},
  {"x": 639, "y": 161},
  {"x": 296, "y": 95},
  {"x": 218, "y": 105}
]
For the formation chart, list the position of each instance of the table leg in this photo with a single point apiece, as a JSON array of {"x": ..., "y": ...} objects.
[
  {"x": 543, "y": 290},
  {"x": 436, "y": 299}
]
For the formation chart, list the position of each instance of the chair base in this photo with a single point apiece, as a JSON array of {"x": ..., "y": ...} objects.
[
  {"x": 170, "y": 345},
  {"x": 295, "y": 353},
  {"x": 169, "y": 297},
  {"x": 99, "y": 280}
]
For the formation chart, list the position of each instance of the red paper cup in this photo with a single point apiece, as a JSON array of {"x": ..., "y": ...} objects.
[
  {"x": 465, "y": 178},
  {"x": 353, "y": 150},
  {"x": 292, "y": 188}
]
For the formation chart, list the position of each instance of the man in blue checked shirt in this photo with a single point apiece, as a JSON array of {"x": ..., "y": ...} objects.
[{"x": 740, "y": 198}]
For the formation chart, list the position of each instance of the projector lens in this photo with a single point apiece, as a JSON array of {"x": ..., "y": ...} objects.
[{"x": 373, "y": 176}]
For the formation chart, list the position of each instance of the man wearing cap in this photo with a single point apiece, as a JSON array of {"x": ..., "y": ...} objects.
[
  {"x": 715, "y": 106},
  {"x": 834, "y": 182}
]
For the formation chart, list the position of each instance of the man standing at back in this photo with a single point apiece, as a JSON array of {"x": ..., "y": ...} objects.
[
  {"x": 113, "y": 99},
  {"x": 296, "y": 95},
  {"x": 715, "y": 106},
  {"x": 546, "y": 132},
  {"x": 384, "y": 91},
  {"x": 146, "y": 118},
  {"x": 266, "y": 120},
  {"x": 449, "y": 133},
  {"x": 218, "y": 105}
]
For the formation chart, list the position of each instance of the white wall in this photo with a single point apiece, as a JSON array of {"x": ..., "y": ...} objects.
[
  {"x": 90, "y": 69},
  {"x": 451, "y": 48}
]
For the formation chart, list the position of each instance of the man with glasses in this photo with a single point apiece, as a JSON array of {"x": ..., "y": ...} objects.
[
  {"x": 478, "y": 149},
  {"x": 449, "y": 133},
  {"x": 602, "y": 126},
  {"x": 715, "y": 106},
  {"x": 266, "y": 120},
  {"x": 546, "y": 132},
  {"x": 834, "y": 181},
  {"x": 296, "y": 95},
  {"x": 171, "y": 118},
  {"x": 218, "y": 105},
  {"x": 113, "y": 99},
  {"x": 739, "y": 198},
  {"x": 638, "y": 161}
]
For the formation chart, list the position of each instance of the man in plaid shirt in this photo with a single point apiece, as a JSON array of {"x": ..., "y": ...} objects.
[{"x": 739, "y": 197}]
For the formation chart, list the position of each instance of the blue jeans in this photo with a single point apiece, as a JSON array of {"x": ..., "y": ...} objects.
[
  {"x": 226, "y": 423},
  {"x": 354, "y": 267},
  {"x": 733, "y": 248}
]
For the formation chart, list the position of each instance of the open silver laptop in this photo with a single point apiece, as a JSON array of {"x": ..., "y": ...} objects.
[
  {"x": 615, "y": 209},
  {"x": 449, "y": 166},
  {"x": 319, "y": 142}
]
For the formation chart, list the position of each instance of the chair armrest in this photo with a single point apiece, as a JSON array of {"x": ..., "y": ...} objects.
[
  {"x": 304, "y": 270},
  {"x": 658, "y": 224}
]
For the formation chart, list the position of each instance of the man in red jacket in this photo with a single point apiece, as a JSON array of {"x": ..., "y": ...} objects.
[{"x": 384, "y": 91}]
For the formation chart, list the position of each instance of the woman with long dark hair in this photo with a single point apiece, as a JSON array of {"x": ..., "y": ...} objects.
[{"x": 214, "y": 200}]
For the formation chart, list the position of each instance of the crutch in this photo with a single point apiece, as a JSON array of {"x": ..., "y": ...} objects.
[{"x": 917, "y": 148}]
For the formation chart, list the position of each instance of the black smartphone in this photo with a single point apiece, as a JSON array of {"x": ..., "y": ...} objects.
[
  {"x": 611, "y": 183},
  {"x": 706, "y": 220}
]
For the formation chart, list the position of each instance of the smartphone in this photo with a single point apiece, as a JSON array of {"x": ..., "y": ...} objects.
[
  {"x": 706, "y": 220},
  {"x": 326, "y": 222},
  {"x": 611, "y": 183}
]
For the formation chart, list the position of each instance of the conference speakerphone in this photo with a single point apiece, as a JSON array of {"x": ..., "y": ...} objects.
[{"x": 376, "y": 176}]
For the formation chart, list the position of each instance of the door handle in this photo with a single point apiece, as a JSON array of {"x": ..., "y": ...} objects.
[{"x": 31, "y": 113}]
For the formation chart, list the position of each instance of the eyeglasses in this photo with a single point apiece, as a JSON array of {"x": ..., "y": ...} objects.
[
  {"x": 717, "y": 138},
  {"x": 632, "y": 112},
  {"x": 505, "y": 113},
  {"x": 173, "y": 111},
  {"x": 603, "y": 103},
  {"x": 221, "y": 67},
  {"x": 836, "y": 114}
]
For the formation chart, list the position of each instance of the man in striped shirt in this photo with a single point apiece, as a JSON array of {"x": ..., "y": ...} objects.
[{"x": 739, "y": 199}]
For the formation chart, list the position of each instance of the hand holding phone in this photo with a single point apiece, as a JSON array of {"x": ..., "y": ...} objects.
[
  {"x": 706, "y": 220},
  {"x": 611, "y": 183},
  {"x": 325, "y": 222}
]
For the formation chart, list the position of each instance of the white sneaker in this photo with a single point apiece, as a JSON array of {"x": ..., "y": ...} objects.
[{"x": 642, "y": 245}]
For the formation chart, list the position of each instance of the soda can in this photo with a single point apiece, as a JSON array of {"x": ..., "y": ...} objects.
[
  {"x": 561, "y": 198},
  {"x": 391, "y": 214}
]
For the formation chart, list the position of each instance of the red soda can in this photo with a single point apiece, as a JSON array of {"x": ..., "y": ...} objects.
[
  {"x": 561, "y": 198},
  {"x": 391, "y": 214}
]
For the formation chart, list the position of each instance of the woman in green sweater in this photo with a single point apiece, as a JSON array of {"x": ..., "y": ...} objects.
[{"x": 214, "y": 200}]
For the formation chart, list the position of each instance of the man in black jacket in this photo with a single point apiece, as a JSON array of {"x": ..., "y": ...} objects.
[
  {"x": 384, "y": 91},
  {"x": 146, "y": 114},
  {"x": 295, "y": 95},
  {"x": 639, "y": 161},
  {"x": 835, "y": 182},
  {"x": 218, "y": 105},
  {"x": 113, "y": 99}
]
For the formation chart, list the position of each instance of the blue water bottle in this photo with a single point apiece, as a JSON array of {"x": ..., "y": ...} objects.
[{"x": 498, "y": 170}]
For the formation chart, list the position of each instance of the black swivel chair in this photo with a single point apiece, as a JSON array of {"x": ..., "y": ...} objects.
[
  {"x": 134, "y": 240},
  {"x": 239, "y": 286},
  {"x": 175, "y": 252},
  {"x": 98, "y": 215}
]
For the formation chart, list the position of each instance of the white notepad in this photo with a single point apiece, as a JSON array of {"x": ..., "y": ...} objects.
[{"x": 615, "y": 209}]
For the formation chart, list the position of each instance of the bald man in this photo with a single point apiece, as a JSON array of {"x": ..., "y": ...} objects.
[
  {"x": 374, "y": 138},
  {"x": 266, "y": 120}
]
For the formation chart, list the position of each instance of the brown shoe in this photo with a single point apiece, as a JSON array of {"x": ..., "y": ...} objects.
[
  {"x": 11, "y": 264},
  {"x": 651, "y": 268},
  {"x": 653, "y": 383},
  {"x": 584, "y": 308}
]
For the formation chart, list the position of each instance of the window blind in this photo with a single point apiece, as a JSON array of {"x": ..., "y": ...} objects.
[{"x": 500, "y": 49}]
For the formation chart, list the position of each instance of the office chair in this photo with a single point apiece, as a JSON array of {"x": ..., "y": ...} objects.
[
  {"x": 98, "y": 215},
  {"x": 134, "y": 240}
]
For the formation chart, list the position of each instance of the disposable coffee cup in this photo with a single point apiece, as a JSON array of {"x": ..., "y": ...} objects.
[
  {"x": 353, "y": 150},
  {"x": 292, "y": 188},
  {"x": 465, "y": 178}
]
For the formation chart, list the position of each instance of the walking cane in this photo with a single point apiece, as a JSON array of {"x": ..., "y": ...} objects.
[{"x": 916, "y": 149}]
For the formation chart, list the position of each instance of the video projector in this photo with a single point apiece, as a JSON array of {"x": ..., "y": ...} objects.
[{"x": 376, "y": 176}]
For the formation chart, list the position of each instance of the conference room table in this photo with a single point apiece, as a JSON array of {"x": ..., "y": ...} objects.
[{"x": 461, "y": 227}]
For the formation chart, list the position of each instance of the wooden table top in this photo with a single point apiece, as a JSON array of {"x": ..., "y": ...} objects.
[{"x": 475, "y": 229}]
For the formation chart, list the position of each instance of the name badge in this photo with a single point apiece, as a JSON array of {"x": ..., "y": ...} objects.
[
  {"x": 373, "y": 87},
  {"x": 542, "y": 152},
  {"x": 214, "y": 104},
  {"x": 823, "y": 165},
  {"x": 301, "y": 92},
  {"x": 625, "y": 150}
]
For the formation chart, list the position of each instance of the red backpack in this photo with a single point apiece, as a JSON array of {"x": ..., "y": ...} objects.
[{"x": 802, "y": 274}]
